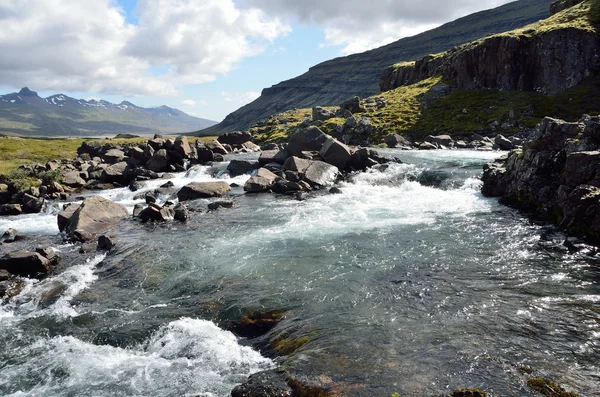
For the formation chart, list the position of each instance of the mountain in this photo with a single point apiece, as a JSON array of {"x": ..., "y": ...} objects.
[
  {"x": 334, "y": 81},
  {"x": 26, "y": 113}
]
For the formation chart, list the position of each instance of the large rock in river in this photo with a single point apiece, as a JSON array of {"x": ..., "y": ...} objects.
[
  {"x": 320, "y": 173},
  {"x": 200, "y": 190},
  {"x": 261, "y": 182},
  {"x": 26, "y": 264},
  {"x": 94, "y": 217},
  {"x": 335, "y": 153},
  {"x": 309, "y": 139}
]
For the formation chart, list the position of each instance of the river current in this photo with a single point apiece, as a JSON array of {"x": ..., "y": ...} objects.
[{"x": 408, "y": 282}]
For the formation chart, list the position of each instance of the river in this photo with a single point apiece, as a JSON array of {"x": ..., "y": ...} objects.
[{"x": 408, "y": 282}]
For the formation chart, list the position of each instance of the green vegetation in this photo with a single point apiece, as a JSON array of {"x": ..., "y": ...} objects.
[
  {"x": 548, "y": 388},
  {"x": 15, "y": 152},
  {"x": 594, "y": 14}
]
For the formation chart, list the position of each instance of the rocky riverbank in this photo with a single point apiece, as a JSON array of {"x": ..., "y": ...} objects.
[{"x": 556, "y": 176}]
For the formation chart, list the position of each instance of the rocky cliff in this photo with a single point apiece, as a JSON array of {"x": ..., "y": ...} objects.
[
  {"x": 334, "y": 81},
  {"x": 556, "y": 176},
  {"x": 547, "y": 57}
]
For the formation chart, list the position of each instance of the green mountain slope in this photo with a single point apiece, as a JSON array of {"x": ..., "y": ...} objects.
[
  {"x": 334, "y": 81},
  {"x": 25, "y": 113}
]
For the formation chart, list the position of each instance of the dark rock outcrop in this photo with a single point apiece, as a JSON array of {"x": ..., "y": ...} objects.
[
  {"x": 235, "y": 138},
  {"x": 547, "y": 61},
  {"x": 264, "y": 384},
  {"x": 241, "y": 167},
  {"x": 26, "y": 264},
  {"x": 556, "y": 176}
]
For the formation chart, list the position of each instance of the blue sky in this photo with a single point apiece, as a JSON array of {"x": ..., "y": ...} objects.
[{"x": 205, "y": 57}]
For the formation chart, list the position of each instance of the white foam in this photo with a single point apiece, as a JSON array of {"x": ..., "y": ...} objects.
[{"x": 185, "y": 357}]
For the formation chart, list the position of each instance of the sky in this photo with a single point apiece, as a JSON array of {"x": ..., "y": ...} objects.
[{"x": 205, "y": 57}]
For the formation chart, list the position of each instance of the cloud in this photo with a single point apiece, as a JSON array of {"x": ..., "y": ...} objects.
[
  {"x": 189, "y": 102},
  {"x": 239, "y": 98},
  {"x": 88, "y": 45},
  {"x": 356, "y": 25}
]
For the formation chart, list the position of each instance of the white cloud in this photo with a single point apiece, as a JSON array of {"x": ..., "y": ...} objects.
[
  {"x": 88, "y": 46},
  {"x": 239, "y": 98},
  {"x": 356, "y": 25},
  {"x": 189, "y": 102}
]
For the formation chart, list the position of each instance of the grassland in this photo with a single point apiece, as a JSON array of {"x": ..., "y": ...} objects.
[{"x": 15, "y": 152}]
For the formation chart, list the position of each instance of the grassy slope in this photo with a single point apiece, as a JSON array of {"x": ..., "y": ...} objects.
[
  {"x": 462, "y": 113},
  {"x": 331, "y": 82}
]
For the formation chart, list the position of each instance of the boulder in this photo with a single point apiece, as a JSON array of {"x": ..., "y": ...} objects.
[
  {"x": 428, "y": 146},
  {"x": 159, "y": 161},
  {"x": 362, "y": 159},
  {"x": 306, "y": 139},
  {"x": 11, "y": 209},
  {"x": 49, "y": 253},
  {"x": 155, "y": 213},
  {"x": 273, "y": 156},
  {"x": 137, "y": 210},
  {"x": 65, "y": 215},
  {"x": 72, "y": 179},
  {"x": 182, "y": 214},
  {"x": 199, "y": 190},
  {"x": 116, "y": 173},
  {"x": 251, "y": 147},
  {"x": 261, "y": 182},
  {"x": 113, "y": 156},
  {"x": 235, "y": 138},
  {"x": 241, "y": 167},
  {"x": 90, "y": 147},
  {"x": 441, "y": 140},
  {"x": 216, "y": 147},
  {"x": 12, "y": 235},
  {"x": 320, "y": 173},
  {"x": 296, "y": 164},
  {"x": 320, "y": 114},
  {"x": 353, "y": 105},
  {"x": 32, "y": 204},
  {"x": 395, "y": 140},
  {"x": 272, "y": 383},
  {"x": 220, "y": 204},
  {"x": 95, "y": 216},
  {"x": 25, "y": 264},
  {"x": 205, "y": 155},
  {"x": 105, "y": 243},
  {"x": 335, "y": 153},
  {"x": 503, "y": 143},
  {"x": 182, "y": 147}
]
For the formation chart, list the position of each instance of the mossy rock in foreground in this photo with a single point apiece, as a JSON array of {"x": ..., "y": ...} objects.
[
  {"x": 548, "y": 388},
  {"x": 469, "y": 393}
]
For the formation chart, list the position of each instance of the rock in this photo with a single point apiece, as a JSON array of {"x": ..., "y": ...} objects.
[
  {"x": 251, "y": 147},
  {"x": 105, "y": 243},
  {"x": 296, "y": 164},
  {"x": 11, "y": 288},
  {"x": 113, "y": 156},
  {"x": 320, "y": 114},
  {"x": 582, "y": 168},
  {"x": 353, "y": 105},
  {"x": 272, "y": 383},
  {"x": 306, "y": 139},
  {"x": 216, "y": 147},
  {"x": 50, "y": 254},
  {"x": 427, "y": 146},
  {"x": 155, "y": 213},
  {"x": 335, "y": 153},
  {"x": 95, "y": 216},
  {"x": 90, "y": 147},
  {"x": 235, "y": 138},
  {"x": 33, "y": 205},
  {"x": 150, "y": 198},
  {"x": 159, "y": 161},
  {"x": 137, "y": 210},
  {"x": 320, "y": 173},
  {"x": 395, "y": 140},
  {"x": 261, "y": 182},
  {"x": 469, "y": 393},
  {"x": 135, "y": 186},
  {"x": 362, "y": 159},
  {"x": 241, "y": 167},
  {"x": 182, "y": 214},
  {"x": 11, "y": 209},
  {"x": 182, "y": 147},
  {"x": 25, "y": 264},
  {"x": 198, "y": 190},
  {"x": 256, "y": 324},
  {"x": 503, "y": 143},
  {"x": 220, "y": 204},
  {"x": 335, "y": 190},
  {"x": 205, "y": 155},
  {"x": 440, "y": 140},
  {"x": 73, "y": 179},
  {"x": 12, "y": 235},
  {"x": 116, "y": 173},
  {"x": 65, "y": 215},
  {"x": 273, "y": 156},
  {"x": 4, "y": 275}
]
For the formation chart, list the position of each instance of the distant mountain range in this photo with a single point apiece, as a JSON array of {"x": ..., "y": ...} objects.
[
  {"x": 330, "y": 83},
  {"x": 26, "y": 113}
]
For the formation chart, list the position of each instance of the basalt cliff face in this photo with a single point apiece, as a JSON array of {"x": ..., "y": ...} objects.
[
  {"x": 549, "y": 57},
  {"x": 556, "y": 176},
  {"x": 334, "y": 81}
]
